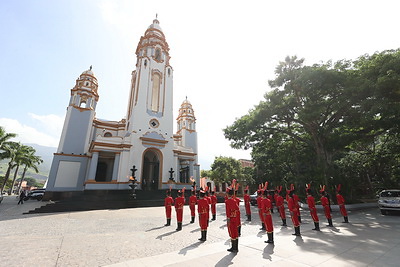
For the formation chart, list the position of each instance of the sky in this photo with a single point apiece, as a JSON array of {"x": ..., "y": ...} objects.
[{"x": 223, "y": 53}]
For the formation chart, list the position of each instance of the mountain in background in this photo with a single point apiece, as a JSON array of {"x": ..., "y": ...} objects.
[{"x": 45, "y": 152}]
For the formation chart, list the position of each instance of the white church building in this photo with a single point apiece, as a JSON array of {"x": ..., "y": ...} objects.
[{"x": 95, "y": 154}]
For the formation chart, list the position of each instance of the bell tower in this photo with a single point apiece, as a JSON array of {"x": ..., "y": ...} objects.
[
  {"x": 75, "y": 137},
  {"x": 186, "y": 125},
  {"x": 150, "y": 102}
]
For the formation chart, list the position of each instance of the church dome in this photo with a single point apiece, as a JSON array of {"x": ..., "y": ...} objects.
[
  {"x": 88, "y": 72},
  {"x": 155, "y": 25},
  {"x": 186, "y": 109}
]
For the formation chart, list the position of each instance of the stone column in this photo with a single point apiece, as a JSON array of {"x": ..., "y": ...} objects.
[
  {"x": 116, "y": 166},
  {"x": 93, "y": 166}
]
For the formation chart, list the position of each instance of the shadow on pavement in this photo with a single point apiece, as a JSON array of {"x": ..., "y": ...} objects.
[
  {"x": 268, "y": 251},
  {"x": 186, "y": 249},
  {"x": 226, "y": 261}
]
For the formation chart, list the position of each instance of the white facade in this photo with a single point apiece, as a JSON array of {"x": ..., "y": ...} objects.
[{"x": 100, "y": 154}]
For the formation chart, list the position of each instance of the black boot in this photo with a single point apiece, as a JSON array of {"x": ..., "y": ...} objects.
[
  {"x": 239, "y": 229},
  {"x": 270, "y": 238},
  {"x": 192, "y": 221},
  {"x": 179, "y": 226},
  {"x": 329, "y": 223},
  {"x": 168, "y": 222},
  {"x": 297, "y": 231},
  {"x": 284, "y": 222},
  {"x": 214, "y": 217},
  {"x": 203, "y": 236},
  {"x": 234, "y": 247},
  {"x": 249, "y": 217},
  {"x": 346, "y": 219},
  {"x": 299, "y": 218},
  {"x": 316, "y": 224},
  {"x": 263, "y": 227}
]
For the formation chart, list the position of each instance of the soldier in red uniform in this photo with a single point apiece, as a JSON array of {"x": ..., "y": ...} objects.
[
  {"x": 232, "y": 215},
  {"x": 179, "y": 203},
  {"x": 325, "y": 204},
  {"x": 280, "y": 205},
  {"x": 246, "y": 198},
  {"x": 168, "y": 202},
  {"x": 213, "y": 205},
  {"x": 266, "y": 207},
  {"x": 296, "y": 202},
  {"x": 192, "y": 204},
  {"x": 293, "y": 214},
  {"x": 270, "y": 196},
  {"x": 259, "y": 199},
  {"x": 312, "y": 208},
  {"x": 340, "y": 202},
  {"x": 203, "y": 210}
]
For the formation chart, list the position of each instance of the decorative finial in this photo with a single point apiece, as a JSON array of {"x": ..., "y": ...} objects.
[
  {"x": 156, "y": 15},
  {"x": 186, "y": 97},
  {"x": 90, "y": 67}
]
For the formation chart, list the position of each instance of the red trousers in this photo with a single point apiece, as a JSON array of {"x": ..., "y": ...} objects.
[
  {"x": 247, "y": 206},
  {"x": 233, "y": 225},
  {"x": 295, "y": 218},
  {"x": 343, "y": 210},
  {"x": 168, "y": 212},
  {"x": 268, "y": 223},
  {"x": 203, "y": 221},
  {"x": 213, "y": 209},
  {"x": 179, "y": 215},
  {"x": 192, "y": 210},
  {"x": 327, "y": 212},
  {"x": 282, "y": 212},
  {"x": 314, "y": 216}
]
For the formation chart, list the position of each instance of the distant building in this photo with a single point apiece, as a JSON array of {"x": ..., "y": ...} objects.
[
  {"x": 246, "y": 163},
  {"x": 96, "y": 154}
]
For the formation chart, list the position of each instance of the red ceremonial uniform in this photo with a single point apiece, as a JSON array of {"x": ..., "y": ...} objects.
[
  {"x": 203, "y": 209},
  {"x": 238, "y": 203},
  {"x": 293, "y": 212},
  {"x": 168, "y": 202},
  {"x": 192, "y": 205},
  {"x": 325, "y": 204},
  {"x": 281, "y": 206},
  {"x": 271, "y": 198},
  {"x": 266, "y": 207},
  {"x": 340, "y": 202},
  {"x": 233, "y": 215},
  {"x": 213, "y": 204},
  {"x": 313, "y": 209},
  {"x": 179, "y": 203},
  {"x": 247, "y": 203},
  {"x": 296, "y": 203}
]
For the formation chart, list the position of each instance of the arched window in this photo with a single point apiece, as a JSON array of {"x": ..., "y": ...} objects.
[
  {"x": 108, "y": 134},
  {"x": 155, "y": 93},
  {"x": 158, "y": 54}
]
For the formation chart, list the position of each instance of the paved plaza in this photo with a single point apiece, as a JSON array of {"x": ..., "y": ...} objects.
[{"x": 137, "y": 237}]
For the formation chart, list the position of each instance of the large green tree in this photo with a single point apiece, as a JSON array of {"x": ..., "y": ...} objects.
[{"x": 314, "y": 114}]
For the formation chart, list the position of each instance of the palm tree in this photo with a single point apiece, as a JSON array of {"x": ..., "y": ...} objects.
[
  {"x": 29, "y": 161},
  {"x": 22, "y": 152},
  {"x": 10, "y": 151},
  {"x": 4, "y": 138}
]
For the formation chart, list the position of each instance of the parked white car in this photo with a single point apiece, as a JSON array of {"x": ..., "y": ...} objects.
[{"x": 389, "y": 200}]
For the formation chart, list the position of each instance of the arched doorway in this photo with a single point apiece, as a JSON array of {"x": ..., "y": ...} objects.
[{"x": 151, "y": 170}]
